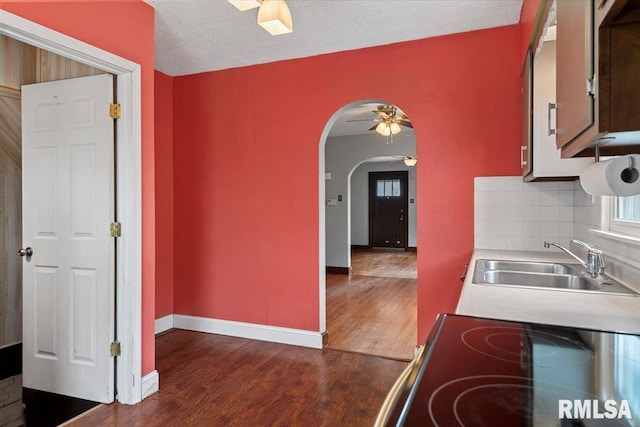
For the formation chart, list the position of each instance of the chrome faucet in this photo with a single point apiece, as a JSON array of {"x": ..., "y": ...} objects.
[{"x": 595, "y": 259}]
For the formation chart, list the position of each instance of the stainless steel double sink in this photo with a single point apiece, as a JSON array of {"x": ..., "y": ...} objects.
[{"x": 545, "y": 275}]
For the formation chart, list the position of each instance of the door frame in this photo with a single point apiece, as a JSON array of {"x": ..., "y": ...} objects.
[
  {"x": 372, "y": 197},
  {"x": 128, "y": 188}
]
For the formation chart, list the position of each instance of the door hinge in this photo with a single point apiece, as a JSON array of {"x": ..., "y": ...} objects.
[
  {"x": 115, "y": 349},
  {"x": 116, "y": 229},
  {"x": 115, "y": 111}
]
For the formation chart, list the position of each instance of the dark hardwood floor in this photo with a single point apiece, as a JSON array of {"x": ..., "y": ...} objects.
[
  {"x": 373, "y": 310},
  {"x": 213, "y": 380}
]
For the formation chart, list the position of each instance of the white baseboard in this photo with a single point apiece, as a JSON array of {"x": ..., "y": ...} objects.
[
  {"x": 164, "y": 323},
  {"x": 249, "y": 330},
  {"x": 150, "y": 384}
]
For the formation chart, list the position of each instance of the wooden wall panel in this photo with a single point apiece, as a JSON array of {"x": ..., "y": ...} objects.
[
  {"x": 29, "y": 66},
  {"x": 10, "y": 216},
  {"x": 4, "y": 253},
  {"x": 10, "y": 124},
  {"x": 10, "y": 242},
  {"x": 54, "y": 67},
  {"x": 10, "y": 62}
]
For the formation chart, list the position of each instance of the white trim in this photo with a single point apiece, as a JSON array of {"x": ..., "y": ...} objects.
[
  {"x": 322, "y": 239},
  {"x": 164, "y": 323},
  {"x": 150, "y": 384},
  {"x": 129, "y": 186},
  {"x": 129, "y": 253},
  {"x": 619, "y": 237},
  {"x": 249, "y": 330}
]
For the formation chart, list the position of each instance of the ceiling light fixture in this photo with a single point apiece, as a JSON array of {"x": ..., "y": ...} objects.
[
  {"x": 275, "y": 17},
  {"x": 245, "y": 4},
  {"x": 410, "y": 161},
  {"x": 383, "y": 129},
  {"x": 387, "y": 128}
]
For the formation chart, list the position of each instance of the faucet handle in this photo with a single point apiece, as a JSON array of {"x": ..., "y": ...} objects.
[
  {"x": 596, "y": 262},
  {"x": 599, "y": 256},
  {"x": 583, "y": 244},
  {"x": 593, "y": 252}
]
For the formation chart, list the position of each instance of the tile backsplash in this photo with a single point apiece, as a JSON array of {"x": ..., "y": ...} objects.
[
  {"x": 512, "y": 214},
  {"x": 587, "y": 212}
]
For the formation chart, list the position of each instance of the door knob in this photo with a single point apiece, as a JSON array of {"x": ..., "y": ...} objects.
[{"x": 25, "y": 252}]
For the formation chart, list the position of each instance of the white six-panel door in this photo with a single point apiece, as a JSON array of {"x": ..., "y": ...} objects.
[{"x": 68, "y": 206}]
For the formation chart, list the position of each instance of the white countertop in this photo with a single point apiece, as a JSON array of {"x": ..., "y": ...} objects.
[{"x": 554, "y": 307}]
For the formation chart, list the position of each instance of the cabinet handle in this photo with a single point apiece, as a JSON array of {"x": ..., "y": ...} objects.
[
  {"x": 523, "y": 161},
  {"x": 591, "y": 87},
  {"x": 550, "y": 107}
]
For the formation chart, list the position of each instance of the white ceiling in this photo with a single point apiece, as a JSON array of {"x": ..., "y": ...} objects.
[{"x": 194, "y": 36}]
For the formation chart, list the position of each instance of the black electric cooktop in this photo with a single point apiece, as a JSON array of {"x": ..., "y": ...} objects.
[{"x": 482, "y": 372}]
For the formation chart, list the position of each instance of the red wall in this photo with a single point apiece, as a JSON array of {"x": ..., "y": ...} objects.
[
  {"x": 164, "y": 195},
  {"x": 125, "y": 28},
  {"x": 246, "y": 144}
]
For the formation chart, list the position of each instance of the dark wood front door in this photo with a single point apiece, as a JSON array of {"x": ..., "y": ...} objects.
[{"x": 388, "y": 209}]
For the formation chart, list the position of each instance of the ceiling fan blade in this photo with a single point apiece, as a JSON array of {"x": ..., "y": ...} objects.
[
  {"x": 373, "y": 127},
  {"x": 382, "y": 114},
  {"x": 363, "y": 120},
  {"x": 405, "y": 123},
  {"x": 404, "y": 117}
]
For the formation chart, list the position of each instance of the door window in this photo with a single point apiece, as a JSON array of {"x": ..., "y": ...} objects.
[{"x": 388, "y": 188}]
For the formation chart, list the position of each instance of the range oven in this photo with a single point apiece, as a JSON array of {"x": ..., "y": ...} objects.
[{"x": 483, "y": 372}]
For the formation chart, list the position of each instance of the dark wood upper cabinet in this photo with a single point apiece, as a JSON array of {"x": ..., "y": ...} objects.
[
  {"x": 598, "y": 82},
  {"x": 574, "y": 69},
  {"x": 541, "y": 159}
]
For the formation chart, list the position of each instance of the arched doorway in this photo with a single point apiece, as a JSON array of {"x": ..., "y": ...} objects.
[{"x": 368, "y": 305}]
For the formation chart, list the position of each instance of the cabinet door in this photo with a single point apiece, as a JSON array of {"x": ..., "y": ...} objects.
[
  {"x": 527, "y": 112},
  {"x": 574, "y": 69}
]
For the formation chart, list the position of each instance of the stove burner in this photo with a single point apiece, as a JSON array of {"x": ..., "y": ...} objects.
[
  {"x": 505, "y": 343},
  {"x": 491, "y": 400}
]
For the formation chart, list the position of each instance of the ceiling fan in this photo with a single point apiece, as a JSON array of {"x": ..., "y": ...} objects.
[{"x": 389, "y": 121}]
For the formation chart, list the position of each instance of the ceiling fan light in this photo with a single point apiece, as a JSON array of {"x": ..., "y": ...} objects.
[
  {"x": 245, "y": 4},
  {"x": 410, "y": 161},
  {"x": 275, "y": 17},
  {"x": 383, "y": 129},
  {"x": 395, "y": 128}
]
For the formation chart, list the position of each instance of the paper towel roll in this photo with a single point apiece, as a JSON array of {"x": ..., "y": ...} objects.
[{"x": 614, "y": 177}]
